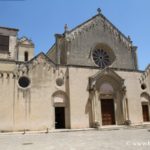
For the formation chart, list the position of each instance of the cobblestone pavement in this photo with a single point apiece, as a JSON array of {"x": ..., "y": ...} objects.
[{"x": 123, "y": 139}]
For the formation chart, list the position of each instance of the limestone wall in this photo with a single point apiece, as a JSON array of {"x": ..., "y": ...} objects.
[
  {"x": 134, "y": 91},
  {"x": 33, "y": 108},
  {"x": 79, "y": 95}
]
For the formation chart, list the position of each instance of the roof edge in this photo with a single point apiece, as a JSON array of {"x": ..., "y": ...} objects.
[
  {"x": 100, "y": 14},
  {"x": 8, "y": 28}
]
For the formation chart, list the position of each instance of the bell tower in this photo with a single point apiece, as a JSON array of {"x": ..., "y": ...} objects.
[{"x": 25, "y": 49}]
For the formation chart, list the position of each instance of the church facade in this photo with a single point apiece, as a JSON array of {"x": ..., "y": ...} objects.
[{"x": 89, "y": 78}]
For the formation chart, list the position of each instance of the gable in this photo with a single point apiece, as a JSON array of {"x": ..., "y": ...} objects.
[
  {"x": 76, "y": 47},
  {"x": 52, "y": 53},
  {"x": 99, "y": 20},
  {"x": 40, "y": 68},
  {"x": 41, "y": 58}
]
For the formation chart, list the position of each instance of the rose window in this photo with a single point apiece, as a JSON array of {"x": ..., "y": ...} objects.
[{"x": 101, "y": 58}]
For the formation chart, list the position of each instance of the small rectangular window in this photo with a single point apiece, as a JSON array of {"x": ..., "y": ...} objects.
[{"x": 4, "y": 43}]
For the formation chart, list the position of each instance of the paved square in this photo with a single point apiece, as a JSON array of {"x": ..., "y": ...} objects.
[{"x": 122, "y": 139}]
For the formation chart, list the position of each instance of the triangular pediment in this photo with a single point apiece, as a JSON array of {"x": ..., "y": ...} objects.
[
  {"x": 94, "y": 23},
  {"x": 107, "y": 72}
]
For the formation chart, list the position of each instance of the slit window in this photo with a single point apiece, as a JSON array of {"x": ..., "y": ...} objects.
[{"x": 26, "y": 56}]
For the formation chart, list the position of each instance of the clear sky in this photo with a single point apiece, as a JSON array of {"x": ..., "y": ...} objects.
[{"x": 39, "y": 20}]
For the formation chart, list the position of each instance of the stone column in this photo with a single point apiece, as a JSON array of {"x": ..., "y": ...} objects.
[
  {"x": 96, "y": 114},
  {"x": 92, "y": 93},
  {"x": 125, "y": 105}
]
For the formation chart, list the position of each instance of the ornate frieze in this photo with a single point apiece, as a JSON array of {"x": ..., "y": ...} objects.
[{"x": 107, "y": 26}]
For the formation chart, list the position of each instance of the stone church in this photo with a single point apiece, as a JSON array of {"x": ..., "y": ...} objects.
[{"x": 89, "y": 78}]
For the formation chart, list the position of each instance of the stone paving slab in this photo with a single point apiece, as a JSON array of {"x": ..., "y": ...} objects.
[{"x": 120, "y": 139}]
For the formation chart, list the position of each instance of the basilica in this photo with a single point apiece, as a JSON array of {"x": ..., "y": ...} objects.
[{"x": 89, "y": 78}]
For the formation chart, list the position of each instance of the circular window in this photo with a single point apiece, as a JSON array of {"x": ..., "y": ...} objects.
[
  {"x": 59, "y": 81},
  {"x": 101, "y": 58},
  {"x": 143, "y": 86},
  {"x": 24, "y": 82}
]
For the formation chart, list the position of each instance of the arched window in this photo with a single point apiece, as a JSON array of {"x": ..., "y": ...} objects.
[{"x": 26, "y": 56}]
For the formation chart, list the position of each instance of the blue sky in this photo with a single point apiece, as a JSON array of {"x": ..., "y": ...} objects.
[{"x": 39, "y": 20}]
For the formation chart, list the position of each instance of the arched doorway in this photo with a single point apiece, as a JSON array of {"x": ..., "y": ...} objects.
[
  {"x": 61, "y": 110},
  {"x": 145, "y": 103},
  {"x": 108, "y": 96}
]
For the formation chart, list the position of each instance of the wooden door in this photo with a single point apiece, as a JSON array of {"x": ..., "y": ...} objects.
[
  {"x": 107, "y": 107},
  {"x": 145, "y": 113}
]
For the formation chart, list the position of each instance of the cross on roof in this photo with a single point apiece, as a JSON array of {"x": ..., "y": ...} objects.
[{"x": 99, "y": 10}]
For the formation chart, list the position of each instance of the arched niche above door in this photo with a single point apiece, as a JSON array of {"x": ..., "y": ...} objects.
[{"x": 59, "y": 98}]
